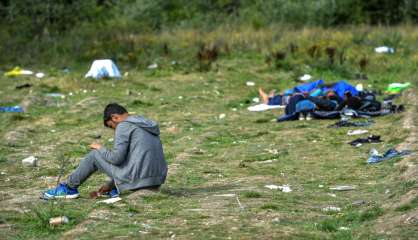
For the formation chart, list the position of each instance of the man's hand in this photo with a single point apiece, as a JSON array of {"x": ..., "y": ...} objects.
[{"x": 96, "y": 146}]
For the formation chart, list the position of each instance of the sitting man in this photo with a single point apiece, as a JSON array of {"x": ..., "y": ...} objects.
[{"x": 135, "y": 162}]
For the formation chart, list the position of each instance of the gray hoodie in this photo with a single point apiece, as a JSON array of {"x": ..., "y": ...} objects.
[{"x": 137, "y": 156}]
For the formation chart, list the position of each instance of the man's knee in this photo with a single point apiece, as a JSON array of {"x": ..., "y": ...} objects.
[{"x": 93, "y": 156}]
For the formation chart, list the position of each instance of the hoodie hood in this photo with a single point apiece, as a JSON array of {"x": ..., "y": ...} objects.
[{"x": 146, "y": 124}]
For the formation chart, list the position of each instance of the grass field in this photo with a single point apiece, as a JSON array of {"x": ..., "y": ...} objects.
[{"x": 218, "y": 166}]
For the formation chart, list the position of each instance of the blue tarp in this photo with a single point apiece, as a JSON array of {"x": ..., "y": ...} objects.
[{"x": 307, "y": 87}]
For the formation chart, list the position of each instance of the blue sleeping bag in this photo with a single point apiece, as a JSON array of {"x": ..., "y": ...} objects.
[{"x": 341, "y": 87}]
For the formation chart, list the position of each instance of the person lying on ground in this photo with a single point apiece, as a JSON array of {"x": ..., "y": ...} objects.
[
  {"x": 350, "y": 101},
  {"x": 136, "y": 161},
  {"x": 326, "y": 103},
  {"x": 280, "y": 99},
  {"x": 271, "y": 98}
]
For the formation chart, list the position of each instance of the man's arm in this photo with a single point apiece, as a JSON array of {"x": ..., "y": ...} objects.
[{"x": 118, "y": 154}]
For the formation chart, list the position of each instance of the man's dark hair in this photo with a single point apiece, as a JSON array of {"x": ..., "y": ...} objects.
[{"x": 112, "y": 108}]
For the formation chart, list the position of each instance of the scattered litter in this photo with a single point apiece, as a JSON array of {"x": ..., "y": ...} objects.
[
  {"x": 126, "y": 74},
  {"x": 331, "y": 209},
  {"x": 305, "y": 77},
  {"x": 347, "y": 123},
  {"x": 384, "y": 49},
  {"x": 17, "y": 71},
  {"x": 342, "y": 188},
  {"x": 225, "y": 195},
  {"x": 343, "y": 228},
  {"x": 103, "y": 68},
  {"x": 370, "y": 139},
  {"x": 375, "y": 157},
  {"x": 2, "y": 173},
  {"x": 110, "y": 140},
  {"x": 239, "y": 203},
  {"x": 272, "y": 187},
  {"x": 110, "y": 200},
  {"x": 234, "y": 109},
  {"x": 153, "y": 66},
  {"x": 222, "y": 116},
  {"x": 250, "y": 84},
  {"x": 56, "y": 95},
  {"x": 256, "y": 100},
  {"x": 332, "y": 195},
  {"x": 357, "y": 132},
  {"x": 284, "y": 188},
  {"x": 25, "y": 85},
  {"x": 59, "y": 220},
  {"x": 387, "y": 191},
  {"x": 359, "y": 87},
  {"x": 40, "y": 75},
  {"x": 53, "y": 130},
  {"x": 320, "y": 186},
  {"x": 16, "y": 109},
  {"x": 267, "y": 161},
  {"x": 70, "y": 94},
  {"x": 263, "y": 107},
  {"x": 180, "y": 97},
  {"x": 358, "y": 203},
  {"x": 31, "y": 161},
  {"x": 396, "y": 88}
]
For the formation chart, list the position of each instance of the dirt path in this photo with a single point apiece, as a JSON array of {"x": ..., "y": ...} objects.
[{"x": 393, "y": 221}]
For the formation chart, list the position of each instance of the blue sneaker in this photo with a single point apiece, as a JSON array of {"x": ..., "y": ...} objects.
[
  {"x": 62, "y": 191},
  {"x": 113, "y": 193}
]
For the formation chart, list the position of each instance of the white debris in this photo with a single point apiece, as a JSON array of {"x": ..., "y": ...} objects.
[
  {"x": 234, "y": 109},
  {"x": 250, "y": 84},
  {"x": 222, "y": 116},
  {"x": 26, "y": 72},
  {"x": 343, "y": 228},
  {"x": 373, "y": 152},
  {"x": 180, "y": 97},
  {"x": 225, "y": 195},
  {"x": 110, "y": 200},
  {"x": 342, "y": 188},
  {"x": 384, "y": 49},
  {"x": 110, "y": 140},
  {"x": 359, "y": 87},
  {"x": 331, "y": 209},
  {"x": 153, "y": 66},
  {"x": 256, "y": 100},
  {"x": 357, "y": 132},
  {"x": 305, "y": 77},
  {"x": 272, "y": 187},
  {"x": 332, "y": 195},
  {"x": 30, "y": 161},
  {"x": 284, "y": 188},
  {"x": 320, "y": 186},
  {"x": 40, "y": 75}
]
